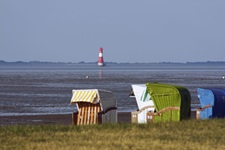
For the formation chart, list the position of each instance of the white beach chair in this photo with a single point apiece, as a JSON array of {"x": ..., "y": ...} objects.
[{"x": 144, "y": 103}]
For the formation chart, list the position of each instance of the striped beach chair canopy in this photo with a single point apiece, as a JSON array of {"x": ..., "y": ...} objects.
[
  {"x": 94, "y": 96},
  {"x": 88, "y": 95}
]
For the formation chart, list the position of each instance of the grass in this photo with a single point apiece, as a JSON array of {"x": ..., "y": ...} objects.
[{"x": 191, "y": 134}]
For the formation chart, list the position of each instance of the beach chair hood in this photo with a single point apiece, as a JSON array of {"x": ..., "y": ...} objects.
[
  {"x": 94, "y": 96},
  {"x": 206, "y": 97},
  {"x": 142, "y": 96},
  {"x": 91, "y": 96},
  {"x": 164, "y": 95}
]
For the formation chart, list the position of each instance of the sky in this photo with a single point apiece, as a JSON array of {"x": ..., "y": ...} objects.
[{"x": 127, "y": 30}]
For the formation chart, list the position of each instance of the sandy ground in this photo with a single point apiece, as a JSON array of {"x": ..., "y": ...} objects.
[{"x": 58, "y": 119}]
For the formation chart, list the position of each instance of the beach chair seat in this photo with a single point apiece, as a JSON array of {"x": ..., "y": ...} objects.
[
  {"x": 164, "y": 115},
  {"x": 212, "y": 102},
  {"x": 140, "y": 116},
  {"x": 172, "y": 103},
  {"x": 204, "y": 112},
  {"x": 93, "y": 107}
]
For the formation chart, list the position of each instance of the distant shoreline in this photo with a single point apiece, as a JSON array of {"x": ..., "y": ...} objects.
[{"x": 82, "y": 62}]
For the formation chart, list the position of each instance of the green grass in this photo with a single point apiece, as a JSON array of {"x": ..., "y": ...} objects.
[{"x": 191, "y": 134}]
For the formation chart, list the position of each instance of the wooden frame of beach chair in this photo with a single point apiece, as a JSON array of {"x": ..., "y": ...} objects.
[
  {"x": 151, "y": 115},
  {"x": 198, "y": 111},
  {"x": 89, "y": 113},
  {"x": 134, "y": 114}
]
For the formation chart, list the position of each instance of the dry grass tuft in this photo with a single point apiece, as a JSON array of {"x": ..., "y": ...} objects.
[{"x": 191, "y": 134}]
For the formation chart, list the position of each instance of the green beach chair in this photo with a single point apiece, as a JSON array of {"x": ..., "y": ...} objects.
[{"x": 172, "y": 102}]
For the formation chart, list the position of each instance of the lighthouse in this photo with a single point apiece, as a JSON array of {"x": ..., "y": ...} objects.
[{"x": 100, "y": 57}]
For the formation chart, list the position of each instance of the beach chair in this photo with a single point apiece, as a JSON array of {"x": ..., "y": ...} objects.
[
  {"x": 212, "y": 102},
  {"x": 172, "y": 103},
  {"x": 93, "y": 107},
  {"x": 144, "y": 103}
]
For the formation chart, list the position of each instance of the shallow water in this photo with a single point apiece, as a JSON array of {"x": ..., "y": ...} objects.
[{"x": 47, "y": 89}]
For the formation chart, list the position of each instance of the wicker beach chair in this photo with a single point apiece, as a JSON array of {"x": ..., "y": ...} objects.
[
  {"x": 172, "y": 103},
  {"x": 212, "y": 101},
  {"x": 93, "y": 107}
]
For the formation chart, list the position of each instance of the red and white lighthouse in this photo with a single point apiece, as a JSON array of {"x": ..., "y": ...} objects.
[{"x": 100, "y": 57}]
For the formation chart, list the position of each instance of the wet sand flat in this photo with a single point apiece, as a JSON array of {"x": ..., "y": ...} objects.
[{"x": 25, "y": 93}]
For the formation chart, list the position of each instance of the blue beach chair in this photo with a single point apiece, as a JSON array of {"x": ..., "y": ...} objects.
[{"x": 212, "y": 101}]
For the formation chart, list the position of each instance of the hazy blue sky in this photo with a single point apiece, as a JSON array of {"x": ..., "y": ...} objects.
[{"x": 128, "y": 30}]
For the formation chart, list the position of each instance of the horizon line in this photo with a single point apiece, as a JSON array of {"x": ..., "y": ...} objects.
[{"x": 83, "y": 62}]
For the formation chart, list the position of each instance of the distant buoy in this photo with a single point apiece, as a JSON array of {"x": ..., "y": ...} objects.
[
  {"x": 87, "y": 77},
  {"x": 100, "y": 57}
]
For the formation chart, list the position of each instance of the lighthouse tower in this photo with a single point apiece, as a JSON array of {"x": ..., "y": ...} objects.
[{"x": 100, "y": 57}]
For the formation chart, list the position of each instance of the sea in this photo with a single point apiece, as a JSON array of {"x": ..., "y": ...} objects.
[{"x": 46, "y": 88}]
